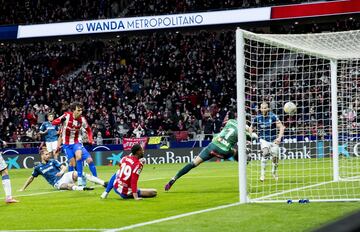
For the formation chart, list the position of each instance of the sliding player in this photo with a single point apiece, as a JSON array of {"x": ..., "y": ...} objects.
[
  {"x": 5, "y": 178},
  {"x": 267, "y": 125},
  {"x": 124, "y": 181},
  {"x": 223, "y": 146},
  {"x": 55, "y": 174},
  {"x": 72, "y": 123}
]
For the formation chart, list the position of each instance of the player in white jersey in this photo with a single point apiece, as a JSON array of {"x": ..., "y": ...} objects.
[{"x": 5, "y": 178}]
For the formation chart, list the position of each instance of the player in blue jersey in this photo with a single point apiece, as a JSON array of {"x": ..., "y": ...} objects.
[
  {"x": 270, "y": 131},
  {"x": 5, "y": 177},
  {"x": 55, "y": 174},
  {"x": 51, "y": 134}
]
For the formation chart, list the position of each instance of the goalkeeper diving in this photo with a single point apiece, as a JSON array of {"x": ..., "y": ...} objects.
[{"x": 223, "y": 146}]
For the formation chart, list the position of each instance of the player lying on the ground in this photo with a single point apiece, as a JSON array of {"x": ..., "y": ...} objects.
[
  {"x": 5, "y": 178},
  {"x": 124, "y": 181},
  {"x": 54, "y": 173},
  {"x": 223, "y": 146}
]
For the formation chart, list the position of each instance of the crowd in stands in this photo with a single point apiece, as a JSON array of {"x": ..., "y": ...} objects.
[
  {"x": 50, "y": 11},
  {"x": 143, "y": 86},
  {"x": 130, "y": 86}
]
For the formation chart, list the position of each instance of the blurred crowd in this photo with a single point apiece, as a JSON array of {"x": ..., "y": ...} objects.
[
  {"x": 134, "y": 86},
  {"x": 50, "y": 11},
  {"x": 131, "y": 86}
]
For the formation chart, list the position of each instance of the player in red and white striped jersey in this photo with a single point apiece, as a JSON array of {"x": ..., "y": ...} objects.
[
  {"x": 72, "y": 123},
  {"x": 125, "y": 180}
]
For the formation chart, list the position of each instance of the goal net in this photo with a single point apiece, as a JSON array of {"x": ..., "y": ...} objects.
[{"x": 319, "y": 155}]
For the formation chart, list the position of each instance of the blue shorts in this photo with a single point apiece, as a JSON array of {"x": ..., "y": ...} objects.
[
  {"x": 85, "y": 154},
  {"x": 70, "y": 149},
  {"x": 124, "y": 196}
]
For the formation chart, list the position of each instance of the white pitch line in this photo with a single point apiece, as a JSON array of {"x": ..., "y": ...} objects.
[
  {"x": 171, "y": 218},
  {"x": 135, "y": 225},
  {"x": 54, "y": 230},
  {"x": 291, "y": 190}
]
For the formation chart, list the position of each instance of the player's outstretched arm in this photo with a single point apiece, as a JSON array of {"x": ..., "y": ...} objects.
[
  {"x": 27, "y": 183},
  {"x": 59, "y": 120}
]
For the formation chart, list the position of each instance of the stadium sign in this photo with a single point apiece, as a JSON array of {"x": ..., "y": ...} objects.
[
  {"x": 299, "y": 150},
  {"x": 144, "y": 23}
]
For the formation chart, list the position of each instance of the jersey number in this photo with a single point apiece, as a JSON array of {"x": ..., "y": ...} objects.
[
  {"x": 126, "y": 170},
  {"x": 228, "y": 134}
]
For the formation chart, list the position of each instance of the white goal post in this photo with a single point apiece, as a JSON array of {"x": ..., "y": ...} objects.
[{"x": 318, "y": 158}]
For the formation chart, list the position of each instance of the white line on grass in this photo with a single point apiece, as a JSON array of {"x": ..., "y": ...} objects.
[
  {"x": 135, "y": 225},
  {"x": 290, "y": 190},
  {"x": 171, "y": 218}
]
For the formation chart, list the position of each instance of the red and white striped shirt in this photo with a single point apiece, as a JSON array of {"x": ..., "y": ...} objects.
[
  {"x": 71, "y": 132},
  {"x": 128, "y": 175}
]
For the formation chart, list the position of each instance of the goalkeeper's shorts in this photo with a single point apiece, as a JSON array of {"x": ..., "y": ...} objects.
[{"x": 214, "y": 151}]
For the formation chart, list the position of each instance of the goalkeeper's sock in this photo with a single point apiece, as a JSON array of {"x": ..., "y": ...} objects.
[
  {"x": 184, "y": 170},
  {"x": 263, "y": 166},
  {"x": 92, "y": 169}
]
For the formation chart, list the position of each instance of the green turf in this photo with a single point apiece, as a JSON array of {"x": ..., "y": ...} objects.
[{"x": 209, "y": 185}]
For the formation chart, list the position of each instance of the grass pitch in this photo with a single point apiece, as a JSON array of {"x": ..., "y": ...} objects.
[{"x": 210, "y": 185}]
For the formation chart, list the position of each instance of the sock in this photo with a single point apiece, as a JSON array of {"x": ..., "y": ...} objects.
[
  {"x": 77, "y": 188},
  {"x": 111, "y": 183},
  {"x": 92, "y": 169},
  {"x": 79, "y": 167},
  {"x": 7, "y": 185},
  {"x": 274, "y": 168},
  {"x": 71, "y": 168},
  {"x": 184, "y": 170},
  {"x": 94, "y": 179},
  {"x": 263, "y": 165}
]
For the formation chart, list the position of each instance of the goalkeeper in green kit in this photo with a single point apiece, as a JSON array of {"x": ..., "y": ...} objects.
[{"x": 222, "y": 146}]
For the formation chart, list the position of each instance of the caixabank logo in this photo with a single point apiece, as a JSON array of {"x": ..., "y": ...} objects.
[{"x": 11, "y": 161}]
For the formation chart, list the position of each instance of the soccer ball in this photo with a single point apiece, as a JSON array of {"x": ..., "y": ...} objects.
[{"x": 290, "y": 108}]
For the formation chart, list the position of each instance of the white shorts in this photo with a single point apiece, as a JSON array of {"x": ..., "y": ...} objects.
[
  {"x": 51, "y": 146},
  {"x": 67, "y": 178},
  {"x": 3, "y": 164},
  {"x": 273, "y": 147}
]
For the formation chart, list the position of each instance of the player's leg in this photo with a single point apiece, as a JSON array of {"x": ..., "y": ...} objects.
[
  {"x": 70, "y": 157},
  {"x": 147, "y": 193},
  {"x": 86, "y": 156},
  {"x": 55, "y": 151},
  {"x": 6, "y": 182},
  {"x": 110, "y": 186},
  {"x": 49, "y": 148},
  {"x": 265, "y": 152},
  {"x": 67, "y": 182},
  {"x": 77, "y": 148},
  {"x": 274, "y": 150},
  {"x": 204, "y": 155}
]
